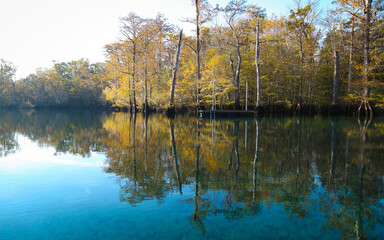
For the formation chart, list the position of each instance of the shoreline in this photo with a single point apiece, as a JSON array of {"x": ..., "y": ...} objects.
[{"x": 279, "y": 110}]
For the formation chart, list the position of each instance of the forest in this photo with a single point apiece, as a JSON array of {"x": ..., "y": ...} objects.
[{"x": 236, "y": 54}]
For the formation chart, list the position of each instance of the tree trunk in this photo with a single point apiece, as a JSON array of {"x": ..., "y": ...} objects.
[
  {"x": 350, "y": 70},
  {"x": 367, "y": 12},
  {"x": 171, "y": 102},
  {"x": 133, "y": 76},
  {"x": 130, "y": 96},
  {"x": 301, "y": 75},
  {"x": 233, "y": 73},
  {"x": 197, "y": 4},
  {"x": 232, "y": 70},
  {"x": 258, "y": 102},
  {"x": 291, "y": 86},
  {"x": 146, "y": 79},
  {"x": 365, "y": 99},
  {"x": 159, "y": 66},
  {"x": 237, "y": 91},
  {"x": 336, "y": 76}
]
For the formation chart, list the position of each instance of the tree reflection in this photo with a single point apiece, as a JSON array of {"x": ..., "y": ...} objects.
[
  {"x": 171, "y": 127},
  {"x": 235, "y": 182},
  {"x": 8, "y": 141},
  {"x": 255, "y": 162},
  {"x": 75, "y": 132},
  {"x": 354, "y": 196},
  {"x": 328, "y": 168}
]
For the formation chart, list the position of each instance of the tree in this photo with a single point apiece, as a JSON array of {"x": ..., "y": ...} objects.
[
  {"x": 148, "y": 33},
  {"x": 131, "y": 28},
  {"x": 301, "y": 23},
  {"x": 350, "y": 8},
  {"x": 258, "y": 14},
  {"x": 234, "y": 13},
  {"x": 7, "y": 72},
  {"x": 361, "y": 17},
  {"x": 332, "y": 22},
  {"x": 117, "y": 74},
  {"x": 203, "y": 15},
  {"x": 161, "y": 44},
  {"x": 367, "y": 27}
]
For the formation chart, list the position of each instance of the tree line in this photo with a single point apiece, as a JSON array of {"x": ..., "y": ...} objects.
[
  {"x": 307, "y": 58},
  {"x": 75, "y": 83}
]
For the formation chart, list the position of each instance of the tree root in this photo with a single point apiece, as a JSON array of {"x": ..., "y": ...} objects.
[{"x": 367, "y": 109}]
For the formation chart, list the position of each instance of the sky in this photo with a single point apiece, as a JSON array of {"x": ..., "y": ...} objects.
[{"x": 35, "y": 33}]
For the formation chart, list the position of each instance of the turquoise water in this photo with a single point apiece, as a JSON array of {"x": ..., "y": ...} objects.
[{"x": 98, "y": 175}]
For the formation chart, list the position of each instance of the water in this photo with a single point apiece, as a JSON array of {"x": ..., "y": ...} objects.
[{"x": 97, "y": 175}]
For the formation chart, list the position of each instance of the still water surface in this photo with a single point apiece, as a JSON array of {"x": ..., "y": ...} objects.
[{"x": 97, "y": 175}]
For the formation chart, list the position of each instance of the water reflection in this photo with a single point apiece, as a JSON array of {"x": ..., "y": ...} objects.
[
  {"x": 8, "y": 141},
  {"x": 75, "y": 132},
  {"x": 330, "y": 169},
  {"x": 296, "y": 163}
]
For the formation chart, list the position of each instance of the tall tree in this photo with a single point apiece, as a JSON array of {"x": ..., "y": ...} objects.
[
  {"x": 361, "y": 12},
  {"x": 350, "y": 8},
  {"x": 234, "y": 13},
  {"x": 148, "y": 33},
  {"x": 165, "y": 29},
  {"x": 203, "y": 15},
  {"x": 131, "y": 28},
  {"x": 367, "y": 6},
  {"x": 301, "y": 22},
  {"x": 332, "y": 22},
  {"x": 258, "y": 14}
]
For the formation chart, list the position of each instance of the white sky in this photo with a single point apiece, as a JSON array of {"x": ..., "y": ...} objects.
[{"x": 33, "y": 33}]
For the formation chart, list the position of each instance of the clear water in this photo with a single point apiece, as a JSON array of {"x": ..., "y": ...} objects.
[{"x": 97, "y": 175}]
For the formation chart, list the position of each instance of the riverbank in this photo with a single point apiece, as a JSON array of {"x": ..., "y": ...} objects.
[
  {"x": 267, "y": 110},
  {"x": 285, "y": 110}
]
